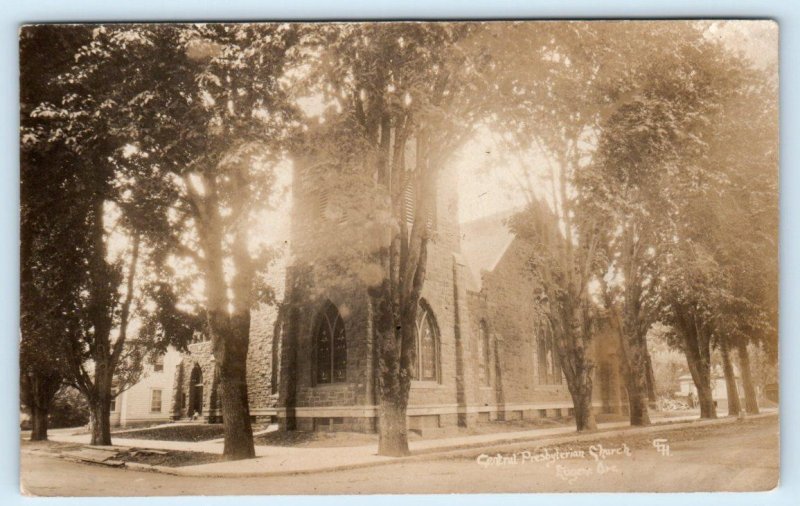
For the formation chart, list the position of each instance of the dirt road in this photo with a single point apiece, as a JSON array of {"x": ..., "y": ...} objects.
[{"x": 734, "y": 457}]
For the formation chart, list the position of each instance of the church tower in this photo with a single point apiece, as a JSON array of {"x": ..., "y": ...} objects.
[{"x": 327, "y": 353}]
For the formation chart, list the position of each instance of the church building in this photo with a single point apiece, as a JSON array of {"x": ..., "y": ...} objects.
[{"x": 481, "y": 354}]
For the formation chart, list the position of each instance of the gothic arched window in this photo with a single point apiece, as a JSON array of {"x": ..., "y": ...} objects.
[
  {"x": 427, "y": 366},
  {"x": 548, "y": 363},
  {"x": 331, "y": 346},
  {"x": 485, "y": 353}
]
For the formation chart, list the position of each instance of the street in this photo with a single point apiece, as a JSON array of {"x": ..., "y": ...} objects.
[{"x": 734, "y": 457}]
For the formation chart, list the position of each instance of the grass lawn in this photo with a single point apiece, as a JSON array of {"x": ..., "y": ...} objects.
[
  {"x": 681, "y": 412},
  {"x": 316, "y": 439},
  {"x": 645, "y": 440},
  {"x": 198, "y": 432},
  {"x": 188, "y": 432},
  {"x": 172, "y": 458},
  {"x": 341, "y": 439},
  {"x": 500, "y": 426}
]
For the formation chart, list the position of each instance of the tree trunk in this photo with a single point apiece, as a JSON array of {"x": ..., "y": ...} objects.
[
  {"x": 232, "y": 359},
  {"x": 634, "y": 331},
  {"x": 706, "y": 400},
  {"x": 39, "y": 423},
  {"x": 572, "y": 330},
  {"x": 701, "y": 375},
  {"x": 100, "y": 311},
  {"x": 734, "y": 406},
  {"x": 396, "y": 298},
  {"x": 582, "y": 402},
  {"x": 38, "y": 387},
  {"x": 636, "y": 380},
  {"x": 637, "y": 402},
  {"x": 100, "y": 419},
  {"x": 696, "y": 347},
  {"x": 393, "y": 429},
  {"x": 229, "y": 319},
  {"x": 651, "y": 377},
  {"x": 633, "y": 365},
  {"x": 578, "y": 372},
  {"x": 393, "y": 380},
  {"x": 750, "y": 398}
]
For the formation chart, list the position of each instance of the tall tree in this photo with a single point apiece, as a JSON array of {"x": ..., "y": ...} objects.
[
  {"x": 669, "y": 137},
  {"x": 551, "y": 104},
  {"x": 408, "y": 95},
  {"x": 78, "y": 143},
  {"x": 43, "y": 321},
  {"x": 745, "y": 145},
  {"x": 46, "y": 284},
  {"x": 209, "y": 128},
  {"x": 641, "y": 146},
  {"x": 51, "y": 280},
  {"x": 734, "y": 195}
]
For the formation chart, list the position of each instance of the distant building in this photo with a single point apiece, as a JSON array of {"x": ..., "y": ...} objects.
[
  {"x": 719, "y": 389},
  {"x": 149, "y": 400}
]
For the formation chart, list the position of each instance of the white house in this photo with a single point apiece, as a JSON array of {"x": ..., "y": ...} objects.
[
  {"x": 719, "y": 390},
  {"x": 149, "y": 400}
]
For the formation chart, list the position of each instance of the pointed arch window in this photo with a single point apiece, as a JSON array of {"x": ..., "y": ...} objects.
[
  {"x": 548, "y": 362},
  {"x": 427, "y": 364},
  {"x": 331, "y": 346}
]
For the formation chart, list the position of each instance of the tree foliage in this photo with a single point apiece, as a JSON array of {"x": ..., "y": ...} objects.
[{"x": 667, "y": 165}]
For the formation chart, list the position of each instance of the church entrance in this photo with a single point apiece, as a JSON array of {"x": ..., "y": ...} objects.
[{"x": 196, "y": 392}]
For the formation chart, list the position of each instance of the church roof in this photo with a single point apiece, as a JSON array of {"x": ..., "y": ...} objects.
[{"x": 484, "y": 241}]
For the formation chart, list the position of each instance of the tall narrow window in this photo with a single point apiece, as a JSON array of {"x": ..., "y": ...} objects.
[
  {"x": 548, "y": 364},
  {"x": 555, "y": 362},
  {"x": 276, "y": 354},
  {"x": 196, "y": 391},
  {"x": 427, "y": 366},
  {"x": 484, "y": 350},
  {"x": 155, "y": 401},
  {"x": 541, "y": 353},
  {"x": 331, "y": 346}
]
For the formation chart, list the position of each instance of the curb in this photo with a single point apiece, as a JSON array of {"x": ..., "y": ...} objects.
[
  {"x": 455, "y": 451},
  {"x": 590, "y": 436}
]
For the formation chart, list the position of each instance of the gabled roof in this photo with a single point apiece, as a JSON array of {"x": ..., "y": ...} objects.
[{"x": 483, "y": 243}]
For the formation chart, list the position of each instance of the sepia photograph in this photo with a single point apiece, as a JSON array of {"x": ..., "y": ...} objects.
[{"x": 406, "y": 257}]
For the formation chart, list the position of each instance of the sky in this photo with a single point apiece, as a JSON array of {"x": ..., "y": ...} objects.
[{"x": 485, "y": 180}]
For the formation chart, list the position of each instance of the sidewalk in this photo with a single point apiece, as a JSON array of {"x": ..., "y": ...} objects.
[{"x": 279, "y": 460}]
